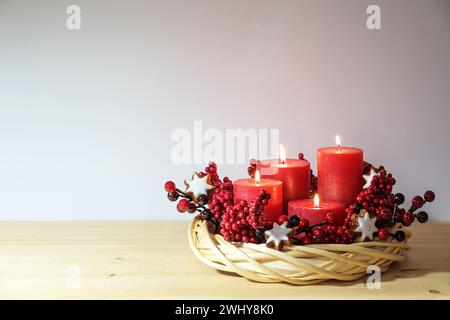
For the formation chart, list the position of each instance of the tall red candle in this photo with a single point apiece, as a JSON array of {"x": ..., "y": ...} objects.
[
  {"x": 295, "y": 174},
  {"x": 339, "y": 173},
  {"x": 316, "y": 213},
  {"x": 249, "y": 189}
]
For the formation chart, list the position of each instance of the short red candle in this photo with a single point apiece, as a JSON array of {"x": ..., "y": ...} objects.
[
  {"x": 339, "y": 173},
  {"x": 305, "y": 209},
  {"x": 249, "y": 189},
  {"x": 294, "y": 173}
]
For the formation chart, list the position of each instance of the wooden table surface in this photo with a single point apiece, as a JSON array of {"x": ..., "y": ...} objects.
[{"x": 152, "y": 260}]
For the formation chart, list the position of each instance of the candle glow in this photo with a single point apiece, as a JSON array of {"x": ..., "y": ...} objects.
[
  {"x": 338, "y": 142},
  {"x": 282, "y": 154},
  {"x": 257, "y": 177},
  {"x": 316, "y": 201}
]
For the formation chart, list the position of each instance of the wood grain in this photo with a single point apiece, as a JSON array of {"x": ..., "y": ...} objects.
[{"x": 152, "y": 260}]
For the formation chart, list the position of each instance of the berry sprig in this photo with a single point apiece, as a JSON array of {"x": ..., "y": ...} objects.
[
  {"x": 211, "y": 170},
  {"x": 324, "y": 232},
  {"x": 384, "y": 234},
  {"x": 221, "y": 198},
  {"x": 407, "y": 217},
  {"x": 245, "y": 221},
  {"x": 187, "y": 203},
  {"x": 377, "y": 199},
  {"x": 380, "y": 202},
  {"x": 251, "y": 169}
]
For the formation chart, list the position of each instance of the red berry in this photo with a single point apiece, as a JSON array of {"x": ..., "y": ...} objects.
[
  {"x": 386, "y": 214},
  {"x": 331, "y": 229},
  {"x": 303, "y": 224},
  {"x": 282, "y": 219},
  {"x": 383, "y": 234},
  {"x": 418, "y": 202},
  {"x": 227, "y": 236},
  {"x": 180, "y": 208},
  {"x": 184, "y": 204},
  {"x": 331, "y": 218},
  {"x": 169, "y": 186},
  {"x": 429, "y": 196},
  {"x": 318, "y": 232},
  {"x": 408, "y": 218}
]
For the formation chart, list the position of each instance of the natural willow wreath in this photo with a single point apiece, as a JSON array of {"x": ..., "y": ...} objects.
[{"x": 299, "y": 265}]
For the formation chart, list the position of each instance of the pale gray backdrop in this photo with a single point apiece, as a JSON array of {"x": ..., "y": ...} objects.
[{"x": 86, "y": 116}]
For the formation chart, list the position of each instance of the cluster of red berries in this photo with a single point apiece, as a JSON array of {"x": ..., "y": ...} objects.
[
  {"x": 245, "y": 221},
  {"x": 221, "y": 199},
  {"x": 381, "y": 203},
  {"x": 407, "y": 217},
  {"x": 186, "y": 203},
  {"x": 251, "y": 169},
  {"x": 324, "y": 232},
  {"x": 378, "y": 200},
  {"x": 378, "y": 196},
  {"x": 173, "y": 194},
  {"x": 211, "y": 170}
]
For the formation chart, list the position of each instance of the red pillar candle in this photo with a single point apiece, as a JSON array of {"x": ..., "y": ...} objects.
[
  {"x": 339, "y": 173},
  {"x": 316, "y": 212},
  {"x": 249, "y": 189},
  {"x": 294, "y": 173}
]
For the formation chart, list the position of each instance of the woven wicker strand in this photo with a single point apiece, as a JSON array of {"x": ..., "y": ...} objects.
[{"x": 299, "y": 265}]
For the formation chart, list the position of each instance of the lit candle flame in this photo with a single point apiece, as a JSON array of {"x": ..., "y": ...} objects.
[
  {"x": 282, "y": 154},
  {"x": 257, "y": 177},
  {"x": 338, "y": 142},
  {"x": 316, "y": 201}
]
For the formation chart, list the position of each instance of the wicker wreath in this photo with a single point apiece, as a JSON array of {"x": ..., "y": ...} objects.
[{"x": 299, "y": 265}]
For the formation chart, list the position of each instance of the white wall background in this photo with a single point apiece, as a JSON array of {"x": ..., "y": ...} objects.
[{"x": 86, "y": 116}]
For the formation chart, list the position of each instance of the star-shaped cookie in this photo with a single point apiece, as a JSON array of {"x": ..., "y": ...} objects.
[
  {"x": 278, "y": 236},
  {"x": 368, "y": 177},
  {"x": 366, "y": 225},
  {"x": 198, "y": 186}
]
